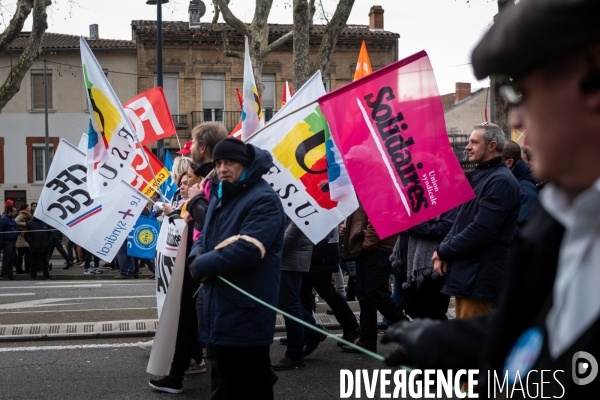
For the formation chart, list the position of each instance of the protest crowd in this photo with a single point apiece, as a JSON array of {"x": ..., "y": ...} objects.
[{"x": 518, "y": 252}]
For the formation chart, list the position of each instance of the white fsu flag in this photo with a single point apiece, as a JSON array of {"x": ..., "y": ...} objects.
[
  {"x": 111, "y": 140},
  {"x": 302, "y": 172},
  {"x": 99, "y": 225}
]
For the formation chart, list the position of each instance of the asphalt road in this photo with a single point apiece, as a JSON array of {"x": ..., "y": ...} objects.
[
  {"x": 115, "y": 369},
  {"x": 30, "y": 302}
]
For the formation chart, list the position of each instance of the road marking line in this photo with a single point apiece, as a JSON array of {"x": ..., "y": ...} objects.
[
  {"x": 53, "y": 287},
  {"x": 55, "y": 301},
  {"x": 70, "y": 347},
  {"x": 17, "y": 294},
  {"x": 86, "y": 282},
  {"x": 84, "y": 310}
]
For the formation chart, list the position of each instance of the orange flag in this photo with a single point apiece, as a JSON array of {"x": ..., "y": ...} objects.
[{"x": 363, "y": 66}]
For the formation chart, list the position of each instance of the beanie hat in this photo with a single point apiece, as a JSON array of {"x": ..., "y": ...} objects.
[{"x": 232, "y": 149}]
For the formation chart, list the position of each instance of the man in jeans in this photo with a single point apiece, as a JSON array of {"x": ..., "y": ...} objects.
[
  {"x": 373, "y": 268},
  {"x": 128, "y": 268}
]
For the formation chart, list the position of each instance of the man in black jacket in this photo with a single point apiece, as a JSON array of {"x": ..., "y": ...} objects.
[
  {"x": 549, "y": 313},
  {"x": 511, "y": 155},
  {"x": 474, "y": 254},
  {"x": 39, "y": 237}
]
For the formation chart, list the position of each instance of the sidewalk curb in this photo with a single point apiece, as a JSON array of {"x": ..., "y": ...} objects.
[{"x": 112, "y": 329}]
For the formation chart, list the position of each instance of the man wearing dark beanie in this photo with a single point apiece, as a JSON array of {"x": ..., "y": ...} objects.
[
  {"x": 233, "y": 150},
  {"x": 242, "y": 242},
  {"x": 548, "y": 318}
]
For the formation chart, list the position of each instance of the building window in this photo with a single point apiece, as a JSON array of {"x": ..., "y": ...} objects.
[
  {"x": 267, "y": 99},
  {"x": 1, "y": 160},
  {"x": 37, "y": 89},
  {"x": 213, "y": 97},
  {"x": 39, "y": 164},
  {"x": 18, "y": 197},
  {"x": 36, "y": 167},
  {"x": 171, "y": 89},
  {"x": 327, "y": 83}
]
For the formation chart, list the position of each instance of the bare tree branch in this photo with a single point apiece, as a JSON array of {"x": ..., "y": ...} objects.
[
  {"x": 13, "y": 82},
  {"x": 332, "y": 32},
  {"x": 231, "y": 19},
  {"x": 215, "y": 27},
  {"x": 16, "y": 23},
  {"x": 282, "y": 40}
]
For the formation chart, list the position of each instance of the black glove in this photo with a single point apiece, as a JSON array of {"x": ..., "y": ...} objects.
[{"x": 407, "y": 334}]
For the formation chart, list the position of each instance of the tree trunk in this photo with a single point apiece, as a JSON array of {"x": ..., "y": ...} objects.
[
  {"x": 258, "y": 36},
  {"x": 301, "y": 43},
  {"x": 12, "y": 84},
  {"x": 502, "y": 107}
]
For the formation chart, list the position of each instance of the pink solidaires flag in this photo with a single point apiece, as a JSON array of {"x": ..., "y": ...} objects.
[{"x": 390, "y": 129}]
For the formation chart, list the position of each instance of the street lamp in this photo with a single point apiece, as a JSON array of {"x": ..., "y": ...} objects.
[{"x": 159, "y": 73}]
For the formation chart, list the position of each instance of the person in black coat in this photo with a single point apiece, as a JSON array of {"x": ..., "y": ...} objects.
[
  {"x": 422, "y": 296},
  {"x": 8, "y": 239},
  {"x": 475, "y": 253},
  {"x": 511, "y": 155},
  {"x": 242, "y": 241},
  {"x": 547, "y": 325},
  {"x": 325, "y": 260},
  {"x": 39, "y": 236}
]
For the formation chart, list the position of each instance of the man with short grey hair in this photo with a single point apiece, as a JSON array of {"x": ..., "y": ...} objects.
[
  {"x": 492, "y": 133},
  {"x": 476, "y": 251}
]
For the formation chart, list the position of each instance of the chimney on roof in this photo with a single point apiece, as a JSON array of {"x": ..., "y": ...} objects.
[
  {"x": 94, "y": 32},
  {"x": 196, "y": 10},
  {"x": 463, "y": 90},
  {"x": 376, "y": 18}
]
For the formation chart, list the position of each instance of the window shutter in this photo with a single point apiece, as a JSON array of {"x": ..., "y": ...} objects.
[
  {"x": 213, "y": 91},
  {"x": 268, "y": 95},
  {"x": 37, "y": 83}
]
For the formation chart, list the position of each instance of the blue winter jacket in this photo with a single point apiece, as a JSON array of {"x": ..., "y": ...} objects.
[
  {"x": 250, "y": 207},
  {"x": 529, "y": 192},
  {"x": 8, "y": 226},
  {"x": 478, "y": 245}
]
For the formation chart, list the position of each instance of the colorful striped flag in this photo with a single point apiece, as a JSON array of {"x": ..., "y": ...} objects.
[
  {"x": 252, "y": 116},
  {"x": 111, "y": 136}
]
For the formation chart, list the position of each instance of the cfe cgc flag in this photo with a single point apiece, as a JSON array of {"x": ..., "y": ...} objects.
[
  {"x": 142, "y": 239},
  {"x": 111, "y": 140},
  {"x": 99, "y": 225},
  {"x": 391, "y": 132},
  {"x": 296, "y": 138},
  {"x": 169, "y": 240},
  {"x": 150, "y": 116}
]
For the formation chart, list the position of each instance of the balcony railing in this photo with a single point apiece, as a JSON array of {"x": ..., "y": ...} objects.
[
  {"x": 229, "y": 119},
  {"x": 180, "y": 120}
]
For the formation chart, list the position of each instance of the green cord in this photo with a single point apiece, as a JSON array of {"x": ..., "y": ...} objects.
[
  {"x": 331, "y": 335},
  {"x": 197, "y": 291}
]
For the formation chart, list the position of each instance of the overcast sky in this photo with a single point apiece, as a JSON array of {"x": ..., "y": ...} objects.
[{"x": 447, "y": 29}]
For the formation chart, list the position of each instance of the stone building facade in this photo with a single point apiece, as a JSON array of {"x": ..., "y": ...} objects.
[{"x": 200, "y": 82}]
